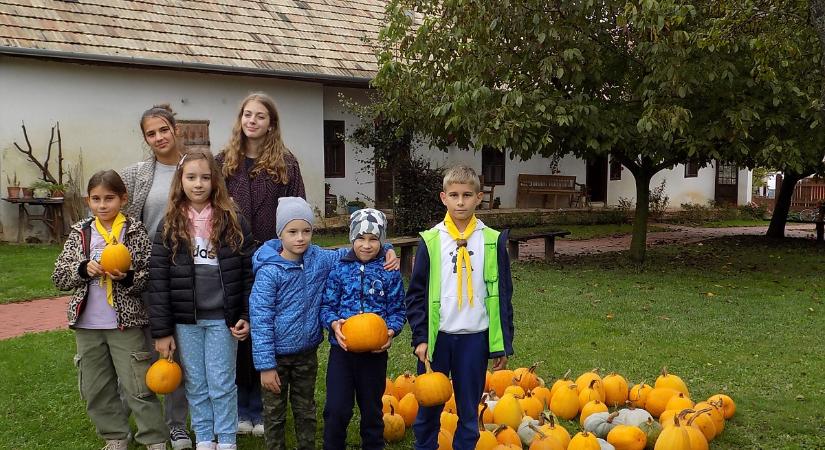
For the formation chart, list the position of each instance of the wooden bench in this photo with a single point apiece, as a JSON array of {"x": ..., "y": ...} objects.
[
  {"x": 550, "y": 186},
  {"x": 549, "y": 243},
  {"x": 404, "y": 248}
]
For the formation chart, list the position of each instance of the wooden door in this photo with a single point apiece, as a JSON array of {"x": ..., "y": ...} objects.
[
  {"x": 596, "y": 179},
  {"x": 727, "y": 184}
]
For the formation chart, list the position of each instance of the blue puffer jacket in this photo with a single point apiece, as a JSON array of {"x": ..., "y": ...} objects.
[
  {"x": 354, "y": 287},
  {"x": 285, "y": 299}
]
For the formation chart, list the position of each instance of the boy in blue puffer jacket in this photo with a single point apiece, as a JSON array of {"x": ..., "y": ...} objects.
[
  {"x": 359, "y": 284},
  {"x": 284, "y": 312}
]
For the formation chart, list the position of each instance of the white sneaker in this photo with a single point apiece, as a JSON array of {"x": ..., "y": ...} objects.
[
  {"x": 227, "y": 446},
  {"x": 207, "y": 445},
  {"x": 116, "y": 444},
  {"x": 160, "y": 446},
  {"x": 245, "y": 427},
  {"x": 258, "y": 429}
]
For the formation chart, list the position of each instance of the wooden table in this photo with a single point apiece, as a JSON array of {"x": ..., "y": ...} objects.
[
  {"x": 549, "y": 243},
  {"x": 52, "y": 215}
]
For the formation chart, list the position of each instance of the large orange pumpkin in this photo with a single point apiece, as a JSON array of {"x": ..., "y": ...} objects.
[
  {"x": 163, "y": 376},
  {"x": 365, "y": 332},
  {"x": 432, "y": 388},
  {"x": 657, "y": 400},
  {"x": 565, "y": 402},
  {"x": 115, "y": 257}
]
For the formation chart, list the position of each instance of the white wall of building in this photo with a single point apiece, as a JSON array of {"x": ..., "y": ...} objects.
[
  {"x": 99, "y": 109},
  {"x": 695, "y": 190}
]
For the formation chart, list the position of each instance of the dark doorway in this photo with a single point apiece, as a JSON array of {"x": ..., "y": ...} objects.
[
  {"x": 727, "y": 184},
  {"x": 596, "y": 179},
  {"x": 383, "y": 180}
]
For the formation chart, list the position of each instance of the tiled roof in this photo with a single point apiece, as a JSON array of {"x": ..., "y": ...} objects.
[{"x": 321, "y": 39}]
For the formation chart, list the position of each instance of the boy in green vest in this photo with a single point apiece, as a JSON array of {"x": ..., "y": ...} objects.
[{"x": 459, "y": 306}]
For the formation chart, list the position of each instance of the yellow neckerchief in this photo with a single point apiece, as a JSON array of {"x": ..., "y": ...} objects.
[
  {"x": 111, "y": 239},
  {"x": 463, "y": 256}
]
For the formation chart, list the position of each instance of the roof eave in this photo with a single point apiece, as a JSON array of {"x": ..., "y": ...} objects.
[{"x": 326, "y": 79}]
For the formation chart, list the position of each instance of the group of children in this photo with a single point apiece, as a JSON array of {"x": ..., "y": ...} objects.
[{"x": 208, "y": 288}]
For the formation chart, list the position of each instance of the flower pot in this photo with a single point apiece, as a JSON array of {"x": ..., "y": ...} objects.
[
  {"x": 58, "y": 194},
  {"x": 15, "y": 191},
  {"x": 27, "y": 192}
]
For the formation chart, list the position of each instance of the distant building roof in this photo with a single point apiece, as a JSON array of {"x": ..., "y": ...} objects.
[{"x": 321, "y": 40}]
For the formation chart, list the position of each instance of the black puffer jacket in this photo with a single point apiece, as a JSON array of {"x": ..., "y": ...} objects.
[{"x": 172, "y": 285}]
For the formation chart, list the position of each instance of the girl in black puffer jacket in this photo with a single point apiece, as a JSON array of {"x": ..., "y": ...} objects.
[{"x": 200, "y": 276}]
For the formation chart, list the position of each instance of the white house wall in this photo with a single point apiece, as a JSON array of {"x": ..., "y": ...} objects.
[
  {"x": 99, "y": 110},
  {"x": 695, "y": 190}
]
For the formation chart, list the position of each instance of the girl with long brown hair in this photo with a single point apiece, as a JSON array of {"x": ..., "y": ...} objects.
[
  {"x": 200, "y": 277},
  {"x": 259, "y": 169}
]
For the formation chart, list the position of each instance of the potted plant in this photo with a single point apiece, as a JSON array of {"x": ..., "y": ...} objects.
[
  {"x": 41, "y": 189},
  {"x": 13, "y": 186},
  {"x": 57, "y": 190},
  {"x": 355, "y": 205}
]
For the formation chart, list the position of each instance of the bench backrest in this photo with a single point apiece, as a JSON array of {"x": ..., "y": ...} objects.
[{"x": 567, "y": 182}]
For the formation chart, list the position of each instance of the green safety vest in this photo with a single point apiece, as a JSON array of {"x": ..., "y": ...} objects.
[{"x": 433, "y": 242}]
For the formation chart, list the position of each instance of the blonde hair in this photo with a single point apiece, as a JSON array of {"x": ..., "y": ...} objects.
[
  {"x": 225, "y": 221},
  {"x": 461, "y": 174},
  {"x": 273, "y": 149}
]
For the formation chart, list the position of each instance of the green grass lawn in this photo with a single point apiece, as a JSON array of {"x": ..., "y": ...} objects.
[
  {"x": 26, "y": 271},
  {"x": 743, "y": 316}
]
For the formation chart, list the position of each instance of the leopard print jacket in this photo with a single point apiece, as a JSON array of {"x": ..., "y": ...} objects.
[{"x": 128, "y": 304}]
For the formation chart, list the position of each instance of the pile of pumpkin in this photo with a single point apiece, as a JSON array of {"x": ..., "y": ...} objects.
[{"x": 518, "y": 410}]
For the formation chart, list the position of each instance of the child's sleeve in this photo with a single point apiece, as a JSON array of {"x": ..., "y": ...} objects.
[
  {"x": 330, "y": 300},
  {"x": 140, "y": 247},
  {"x": 247, "y": 250},
  {"x": 505, "y": 286},
  {"x": 396, "y": 310},
  {"x": 262, "y": 317},
  {"x": 67, "y": 274},
  {"x": 417, "y": 295},
  {"x": 161, "y": 318}
]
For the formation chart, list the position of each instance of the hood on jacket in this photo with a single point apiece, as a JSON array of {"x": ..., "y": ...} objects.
[{"x": 270, "y": 253}]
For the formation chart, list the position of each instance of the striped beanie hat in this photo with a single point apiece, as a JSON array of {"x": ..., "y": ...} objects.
[{"x": 367, "y": 221}]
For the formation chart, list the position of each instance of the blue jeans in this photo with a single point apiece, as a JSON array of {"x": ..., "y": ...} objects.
[
  {"x": 208, "y": 351},
  {"x": 250, "y": 405}
]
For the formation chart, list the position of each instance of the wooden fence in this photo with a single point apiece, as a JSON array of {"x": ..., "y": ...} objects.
[{"x": 809, "y": 193}]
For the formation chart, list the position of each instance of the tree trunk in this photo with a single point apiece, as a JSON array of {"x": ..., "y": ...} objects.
[
  {"x": 817, "y": 9},
  {"x": 783, "y": 205},
  {"x": 638, "y": 244}
]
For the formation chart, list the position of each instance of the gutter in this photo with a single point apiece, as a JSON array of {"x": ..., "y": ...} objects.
[{"x": 331, "y": 80}]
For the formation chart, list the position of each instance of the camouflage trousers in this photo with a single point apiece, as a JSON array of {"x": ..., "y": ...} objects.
[{"x": 297, "y": 374}]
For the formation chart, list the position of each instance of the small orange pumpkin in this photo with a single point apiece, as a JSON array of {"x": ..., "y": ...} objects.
[
  {"x": 550, "y": 428},
  {"x": 115, "y": 257},
  {"x": 500, "y": 379},
  {"x": 432, "y": 388},
  {"x": 728, "y": 405},
  {"x": 506, "y": 435},
  {"x": 164, "y": 376},
  {"x": 408, "y": 409},
  {"x": 365, "y": 332},
  {"x": 544, "y": 441},
  {"x": 627, "y": 437},
  {"x": 526, "y": 377},
  {"x": 657, "y": 400},
  {"x": 389, "y": 387},
  {"x": 403, "y": 385},
  {"x": 449, "y": 421},
  {"x": 563, "y": 381},
  {"x": 615, "y": 389},
  {"x": 393, "y": 426},
  {"x": 565, "y": 402},
  {"x": 668, "y": 380},
  {"x": 674, "y": 437},
  {"x": 638, "y": 394},
  {"x": 584, "y": 441},
  {"x": 445, "y": 440},
  {"x": 679, "y": 401},
  {"x": 389, "y": 403}
]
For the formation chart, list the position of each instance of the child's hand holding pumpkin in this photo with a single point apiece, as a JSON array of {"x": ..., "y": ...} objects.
[
  {"x": 385, "y": 347},
  {"x": 339, "y": 336}
]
